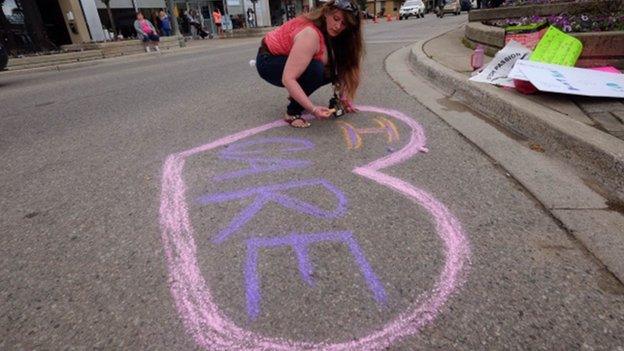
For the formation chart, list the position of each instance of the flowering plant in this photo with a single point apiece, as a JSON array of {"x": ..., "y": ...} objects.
[
  {"x": 571, "y": 23},
  {"x": 536, "y": 2}
]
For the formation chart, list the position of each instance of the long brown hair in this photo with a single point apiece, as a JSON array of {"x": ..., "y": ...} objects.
[{"x": 348, "y": 46}]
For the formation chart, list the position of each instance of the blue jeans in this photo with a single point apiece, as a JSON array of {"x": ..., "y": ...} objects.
[
  {"x": 271, "y": 69},
  {"x": 151, "y": 37}
]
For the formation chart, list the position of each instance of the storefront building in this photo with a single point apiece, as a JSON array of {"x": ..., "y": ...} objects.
[
  {"x": 35, "y": 25},
  {"x": 268, "y": 12},
  {"x": 28, "y": 26}
]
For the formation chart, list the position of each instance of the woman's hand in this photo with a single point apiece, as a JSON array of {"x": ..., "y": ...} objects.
[{"x": 321, "y": 112}]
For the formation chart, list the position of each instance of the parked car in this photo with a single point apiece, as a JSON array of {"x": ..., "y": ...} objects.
[
  {"x": 412, "y": 8},
  {"x": 366, "y": 15},
  {"x": 452, "y": 6},
  {"x": 4, "y": 58}
]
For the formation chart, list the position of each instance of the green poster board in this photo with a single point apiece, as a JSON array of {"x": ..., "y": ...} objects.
[{"x": 558, "y": 48}]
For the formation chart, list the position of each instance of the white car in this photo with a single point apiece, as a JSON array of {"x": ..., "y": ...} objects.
[{"x": 412, "y": 8}]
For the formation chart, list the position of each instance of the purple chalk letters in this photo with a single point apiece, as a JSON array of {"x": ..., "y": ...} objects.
[
  {"x": 253, "y": 153},
  {"x": 274, "y": 193},
  {"x": 300, "y": 243},
  {"x": 259, "y": 164}
]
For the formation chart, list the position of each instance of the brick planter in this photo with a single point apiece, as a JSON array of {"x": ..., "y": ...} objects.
[
  {"x": 599, "y": 48},
  {"x": 570, "y": 8}
]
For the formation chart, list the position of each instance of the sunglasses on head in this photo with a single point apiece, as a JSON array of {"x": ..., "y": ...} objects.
[{"x": 348, "y": 6}]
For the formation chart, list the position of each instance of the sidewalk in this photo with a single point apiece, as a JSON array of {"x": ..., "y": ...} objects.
[
  {"x": 605, "y": 114},
  {"x": 97, "y": 52},
  {"x": 585, "y": 132},
  {"x": 567, "y": 152}
]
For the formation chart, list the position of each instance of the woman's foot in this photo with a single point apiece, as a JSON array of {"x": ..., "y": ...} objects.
[{"x": 296, "y": 121}]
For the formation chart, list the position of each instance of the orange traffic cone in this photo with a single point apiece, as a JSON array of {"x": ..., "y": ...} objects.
[{"x": 389, "y": 18}]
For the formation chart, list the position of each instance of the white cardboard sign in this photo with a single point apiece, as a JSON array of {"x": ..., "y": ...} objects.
[
  {"x": 496, "y": 71},
  {"x": 571, "y": 80}
]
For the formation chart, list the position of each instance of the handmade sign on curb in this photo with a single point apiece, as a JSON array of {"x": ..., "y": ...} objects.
[
  {"x": 497, "y": 70},
  {"x": 558, "y": 48},
  {"x": 569, "y": 80},
  {"x": 528, "y": 40},
  {"x": 193, "y": 293},
  {"x": 527, "y": 35}
]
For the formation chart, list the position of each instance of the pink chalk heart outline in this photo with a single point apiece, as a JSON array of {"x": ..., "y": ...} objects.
[{"x": 212, "y": 330}]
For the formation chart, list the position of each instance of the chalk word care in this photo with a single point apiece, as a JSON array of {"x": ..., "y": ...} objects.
[
  {"x": 252, "y": 153},
  {"x": 192, "y": 293}
]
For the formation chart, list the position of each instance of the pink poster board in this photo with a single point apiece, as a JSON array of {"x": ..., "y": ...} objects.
[{"x": 529, "y": 40}]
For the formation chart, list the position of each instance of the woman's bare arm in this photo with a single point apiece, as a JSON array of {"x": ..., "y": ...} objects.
[{"x": 306, "y": 44}]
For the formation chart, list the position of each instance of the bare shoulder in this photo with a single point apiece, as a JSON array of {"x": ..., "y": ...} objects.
[{"x": 307, "y": 36}]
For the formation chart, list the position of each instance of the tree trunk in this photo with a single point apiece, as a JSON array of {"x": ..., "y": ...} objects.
[
  {"x": 172, "y": 18},
  {"x": 255, "y": 16},
  {"x": 110, "y": 18},
  {"x": 34, "y": 25}
]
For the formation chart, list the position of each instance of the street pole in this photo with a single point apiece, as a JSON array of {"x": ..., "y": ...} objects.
[
  {"x": 244, "y": 13},
  {"x": 173, "y": 18},
  {"x": 225, "y": 14},
  {"x": 255, "y": 15},
  {"x": 253, "y": 2}
]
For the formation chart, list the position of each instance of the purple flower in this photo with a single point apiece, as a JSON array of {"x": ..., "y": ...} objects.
[{"x": 569, "y": 23}]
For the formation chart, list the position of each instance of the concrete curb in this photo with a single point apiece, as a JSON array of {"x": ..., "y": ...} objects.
[
  {"x": 577, "y": 206},
  {"x": 598, "y": 155}
]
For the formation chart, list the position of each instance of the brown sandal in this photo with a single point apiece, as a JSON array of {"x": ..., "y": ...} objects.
[{"x": 296, "y": 121}]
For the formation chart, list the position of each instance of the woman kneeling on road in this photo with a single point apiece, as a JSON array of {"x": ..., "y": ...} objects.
[{"x": 307, "y": 52}]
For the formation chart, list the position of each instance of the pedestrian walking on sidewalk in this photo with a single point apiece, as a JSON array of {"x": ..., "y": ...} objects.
[
  {"x": 217, "y": 17},
  {"x": 146, "y": 31},
  {"x": 321, "y": 47},
  {"x": 165, "y": 22}
]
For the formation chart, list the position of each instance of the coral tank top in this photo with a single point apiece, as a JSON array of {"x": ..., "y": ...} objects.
[{"x": 280, "y": 40}]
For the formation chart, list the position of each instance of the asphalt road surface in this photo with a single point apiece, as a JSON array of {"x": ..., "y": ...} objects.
[{"x": 157, "y": 202}]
